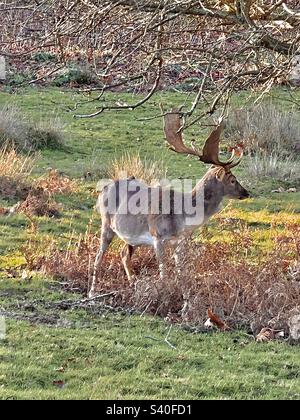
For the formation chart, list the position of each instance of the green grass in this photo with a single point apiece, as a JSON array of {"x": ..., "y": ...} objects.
[
  {"x": 108, "y": 355},
  {"x": 121, "y": 356},
  {"x": 91, "y": 143}
]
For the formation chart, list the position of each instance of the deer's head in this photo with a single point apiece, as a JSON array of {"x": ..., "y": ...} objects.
[
  {"x": 221, "y": 171},
  {"x": 230, "y": 185}
]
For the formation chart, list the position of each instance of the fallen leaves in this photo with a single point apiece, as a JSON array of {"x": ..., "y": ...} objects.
[
  {"x": 3, "y": 211},
  {"x": 59, "y": 384},
  {"x": 268, "y": 334},
  {"x": 56, "y": 183},
  {"x": 39, "y": 203}
]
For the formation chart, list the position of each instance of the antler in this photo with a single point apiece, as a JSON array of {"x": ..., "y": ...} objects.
[
  {"x": 210, "y": 152},
  {"x": 172, "y": 128},
  {"x": 237, "y": 151}
]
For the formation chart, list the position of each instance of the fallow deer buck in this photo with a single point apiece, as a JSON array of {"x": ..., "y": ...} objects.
[{"x": 155, "y": 228}]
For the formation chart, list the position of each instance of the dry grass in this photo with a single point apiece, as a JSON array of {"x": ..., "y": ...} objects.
[
  {"x": 132, "y": 165},
  {"x": 14, "y": 165},
  {"x": 271, "y": 138},
  {"x": 14, "y": 173},
  {"x": 263, "y": 164},
  {"x": 36, "y": 197},
  {"x": 265, "y": 128},
  {"x": 243, "y": 292}
]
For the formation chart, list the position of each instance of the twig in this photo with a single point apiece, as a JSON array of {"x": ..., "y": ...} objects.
[{"x": 165, "y": 340}]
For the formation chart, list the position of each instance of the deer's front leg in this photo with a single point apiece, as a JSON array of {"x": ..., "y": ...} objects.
[
  {"x": 106, "y": 238},
  {"x": 159, "y": 251}
]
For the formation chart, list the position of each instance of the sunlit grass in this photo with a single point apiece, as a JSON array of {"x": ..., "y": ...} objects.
[{"x": 110, "y": 356}]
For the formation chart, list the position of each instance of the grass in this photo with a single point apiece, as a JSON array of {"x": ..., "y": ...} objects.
[
  {"x": 108, "y": 355},
  {"x": 122, "y": 356}
]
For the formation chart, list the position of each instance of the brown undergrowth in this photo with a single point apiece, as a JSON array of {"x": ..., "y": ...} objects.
[
  {"x": 35, "y": 197},
  {"x": 244, "y": 292}
]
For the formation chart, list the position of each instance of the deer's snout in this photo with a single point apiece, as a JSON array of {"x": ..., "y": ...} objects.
[{"x": 244, "y": 194}]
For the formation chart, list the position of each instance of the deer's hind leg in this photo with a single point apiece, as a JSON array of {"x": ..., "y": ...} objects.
[
  {"x": 126, "y": 255},
  {"x": 107, "y": 236}
]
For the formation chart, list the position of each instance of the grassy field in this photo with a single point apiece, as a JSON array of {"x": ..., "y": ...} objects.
[{"x": 53, "y": 351}]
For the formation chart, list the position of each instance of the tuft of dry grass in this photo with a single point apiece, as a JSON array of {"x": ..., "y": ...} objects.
[
  {"x": 271, "y": 138},
  {"x": 263, "y": 164},
  {"x": 15, "y": 169},
  {"x": 242, "y": 292},
  {"x": 15, "y": 165},
  {"x": 130, "y": 165},
  {"x": 14, "y": 172},
  {"x": 265, "y": 128}
]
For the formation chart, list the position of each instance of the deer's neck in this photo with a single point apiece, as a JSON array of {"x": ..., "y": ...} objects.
[{"x": 211, "y": 191}]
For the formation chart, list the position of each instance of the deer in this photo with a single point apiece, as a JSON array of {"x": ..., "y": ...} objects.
[{"x": 158, "y": 228}]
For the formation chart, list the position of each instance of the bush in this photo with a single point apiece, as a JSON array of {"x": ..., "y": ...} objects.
[
  {"x": 191, "y": 84},
  {"x": 16, "y": 77},
  {"x": 265, "y": 128},
  {"x": 76, "y": 76},
  {"x": 17, "y": 132},
  {"x": 43, "y": 56}
]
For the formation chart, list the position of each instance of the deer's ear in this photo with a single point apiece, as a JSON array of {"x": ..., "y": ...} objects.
[{"x": 220, "y": 174}]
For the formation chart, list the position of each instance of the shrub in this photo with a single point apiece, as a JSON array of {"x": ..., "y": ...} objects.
[
  {"x": 76, "y": 76},
  {"x": 16, "y": 131},
  {"x": 15, "y": 78},
  {"x": 264, "y": 128},
  {"x": 46, "y": 134},
  {"x": 190, "y": 84},
  {"x": 43, "y": 56}
]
